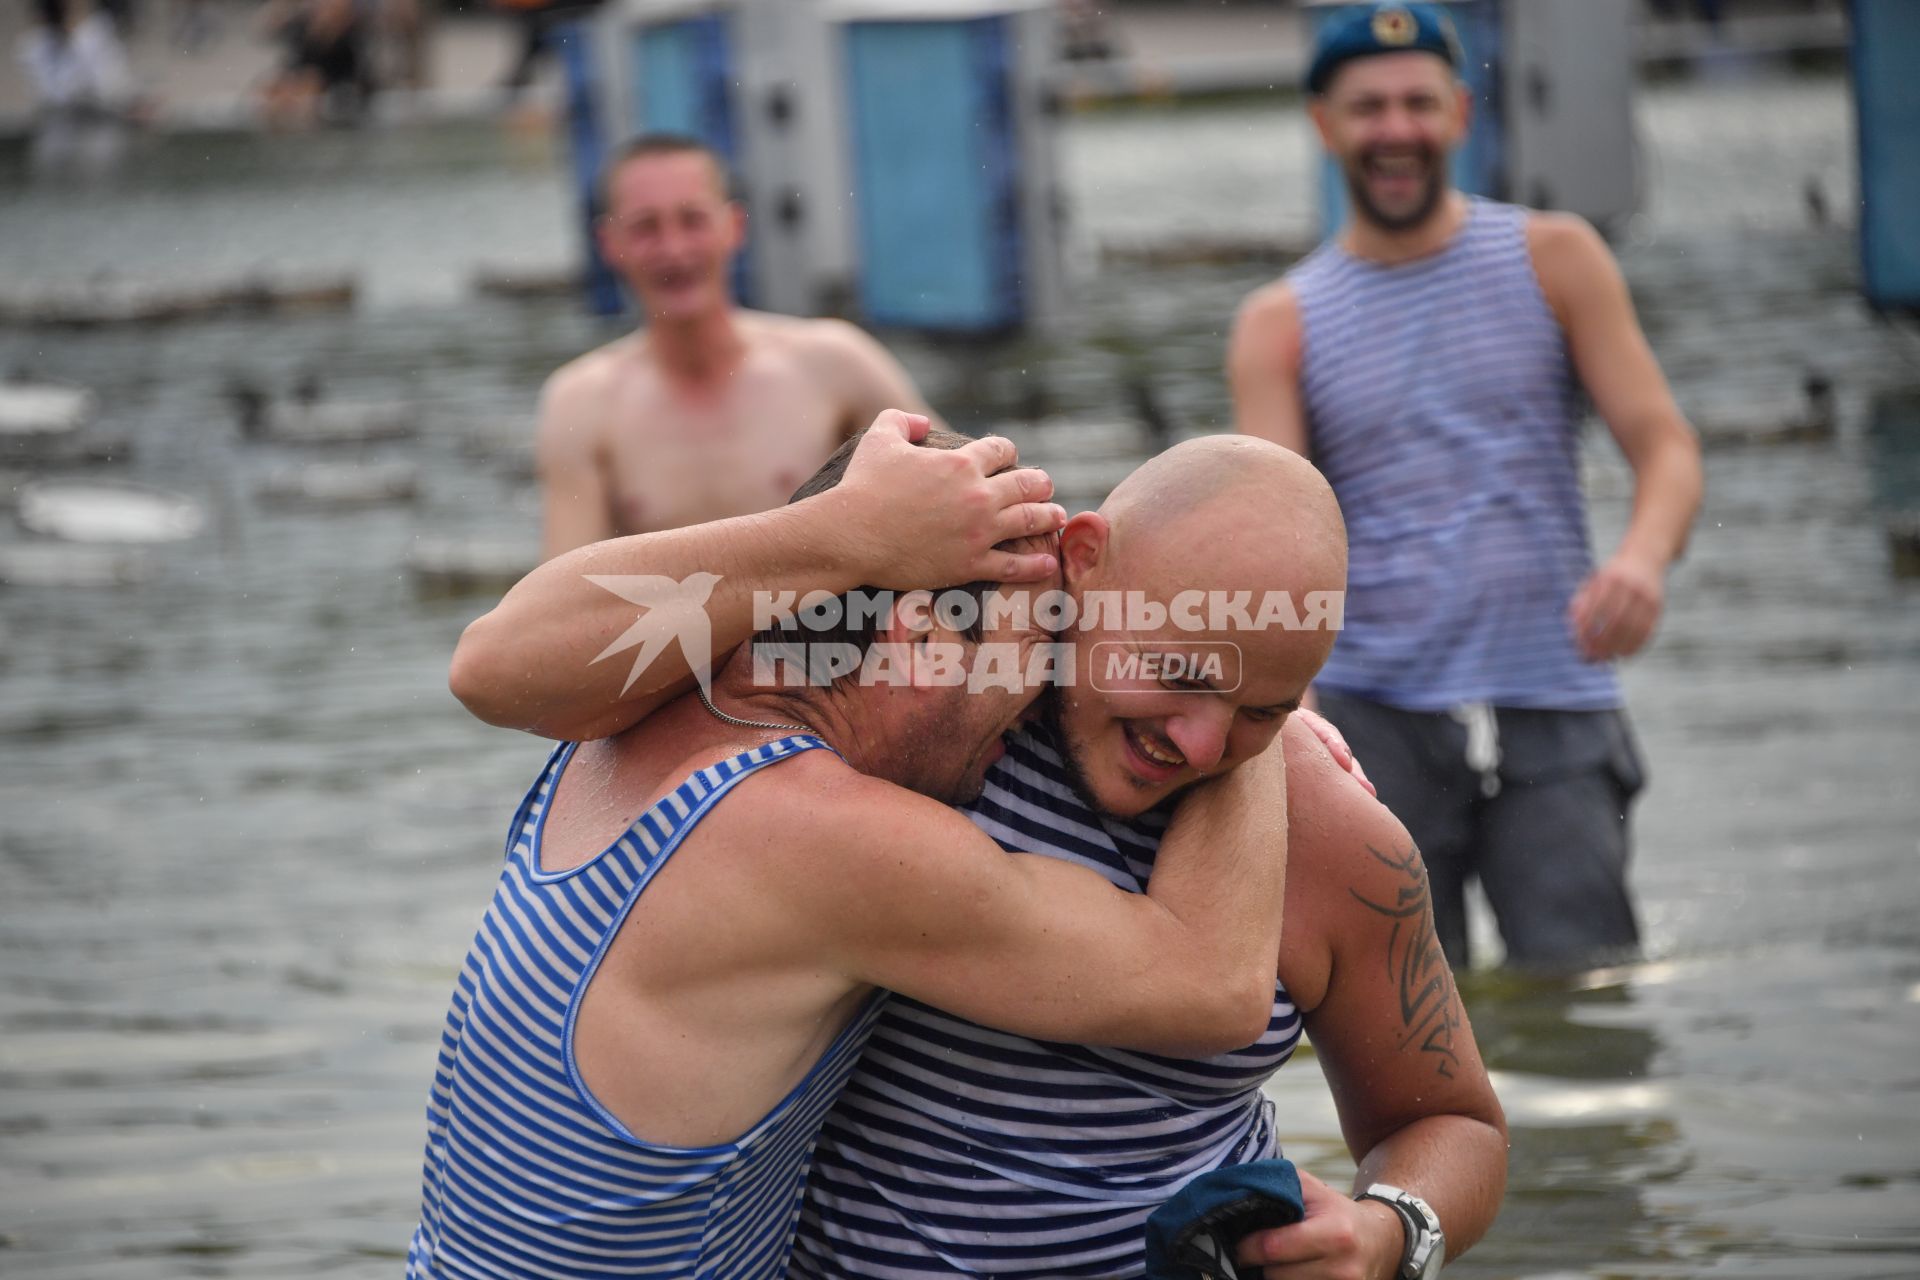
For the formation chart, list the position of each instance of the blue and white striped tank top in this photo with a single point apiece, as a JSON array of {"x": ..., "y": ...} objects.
[
  {"x": 1442, "y": 407},
  {"x": 957, "y": 1150},
  {"x": 527, "y": 1174}
]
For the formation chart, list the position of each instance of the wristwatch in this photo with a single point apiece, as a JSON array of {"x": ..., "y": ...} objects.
[{"x": 1426, "y": 1245}]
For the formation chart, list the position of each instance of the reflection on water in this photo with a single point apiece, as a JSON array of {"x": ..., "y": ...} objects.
[{"x": 248, "y": 831}]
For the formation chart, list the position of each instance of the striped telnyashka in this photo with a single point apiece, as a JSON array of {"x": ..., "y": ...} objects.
[
  {"x": 527, "y": 1174},
  {"x": 957, "y": 1150},
  {"x": 1442, "y": 407}
]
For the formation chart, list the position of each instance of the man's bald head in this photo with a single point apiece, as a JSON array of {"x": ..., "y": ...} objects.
[
  {"x": 1227, "y": 513},
  {"x": 1230, "y": 557}
]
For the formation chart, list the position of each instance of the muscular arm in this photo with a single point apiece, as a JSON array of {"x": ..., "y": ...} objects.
[
  {"x": 1616, "y": 610},
  {"x": 903, "y": 517},
  {"x": 1263, "y": 369},
  {"x": 1415, "y": 1104},
  {"x": 925, "y": 904},
  {"x": 575, "y": 499}
]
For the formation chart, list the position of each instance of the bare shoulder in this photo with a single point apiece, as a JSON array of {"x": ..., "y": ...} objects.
[
  {"x": 814, "y": 344},
  {"x": 817, "y": 802},
  {"x": 848, "y": 850},
  {"x": 1327, "y": 809},
  {"x": 845, "y": 352},
  {"x": 600, "y": 365},
  {"x": 586, "y": 377},
  {"x": 1554, "y": 231},
  {"x": 1567, "y": 253},
  {"x": 1272, "y": 303},
  {"x": 838, "y": 336},
  {"x": 1267, "y": 326},
  {"x": 850, "y": 364},
  {"x": 1346, "y": 852},
  {"x": 789, "y": 333}
]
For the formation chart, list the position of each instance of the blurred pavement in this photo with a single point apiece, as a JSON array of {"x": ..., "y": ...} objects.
[{"x": 1162, "y": 50}]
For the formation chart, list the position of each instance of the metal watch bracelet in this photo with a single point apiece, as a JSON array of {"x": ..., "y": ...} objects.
[{"x": 1426, "y": 1244}]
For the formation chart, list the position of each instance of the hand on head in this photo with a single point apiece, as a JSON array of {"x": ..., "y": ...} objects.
[{"x": 931, "y": 515}]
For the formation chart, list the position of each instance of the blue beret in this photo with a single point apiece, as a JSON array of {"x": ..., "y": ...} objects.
[{"x": 1365, "y": 30}]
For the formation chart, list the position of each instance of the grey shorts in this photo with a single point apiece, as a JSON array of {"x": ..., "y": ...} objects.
[{"x": 1544, "y": 830}]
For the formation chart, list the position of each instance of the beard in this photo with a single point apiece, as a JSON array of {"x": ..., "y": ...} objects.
[
  {"x": 1418, "y": 213},
  {"x": 1072, "y": 751},
  {"x": 1073, "y": 754}
]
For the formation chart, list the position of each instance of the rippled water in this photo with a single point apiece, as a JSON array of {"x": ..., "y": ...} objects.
[{"x": 247, "y": 831}]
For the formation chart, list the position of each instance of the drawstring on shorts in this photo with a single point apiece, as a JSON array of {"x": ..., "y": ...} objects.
[{"x": 1483, "y": 743}]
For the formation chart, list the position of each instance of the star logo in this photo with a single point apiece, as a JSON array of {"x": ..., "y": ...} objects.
[
  {"x": 671, "y": 610},
  {"x": 1394, "y": 27}
]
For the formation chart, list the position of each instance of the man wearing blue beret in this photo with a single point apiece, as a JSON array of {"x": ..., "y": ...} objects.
[{"x": 1431, "y": 359}]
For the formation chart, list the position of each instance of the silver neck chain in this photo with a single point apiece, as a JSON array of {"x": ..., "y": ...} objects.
[{"x": 718, "y": 714}]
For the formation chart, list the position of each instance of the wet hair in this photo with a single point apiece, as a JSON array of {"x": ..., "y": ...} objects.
[
  {"x": 863, "y": 631},
  {"x": 660, "y": 144}
]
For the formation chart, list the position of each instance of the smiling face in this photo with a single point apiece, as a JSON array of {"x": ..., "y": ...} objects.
[
  {"x": 1152, "y": 712},
  {"x": 671, "y": 232},
  {"x": 1392, "y": 122},
  {"x": 1158, "y": 702}
]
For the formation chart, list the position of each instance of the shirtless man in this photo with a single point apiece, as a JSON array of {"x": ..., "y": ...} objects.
[
  {"x": 658, "y": 1010},
  {"x": 709, "y": 411},
  {"x": 959, "y": 1150}
]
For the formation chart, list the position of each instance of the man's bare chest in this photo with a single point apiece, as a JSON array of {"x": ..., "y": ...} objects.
[{"x": 675, "y": 460}]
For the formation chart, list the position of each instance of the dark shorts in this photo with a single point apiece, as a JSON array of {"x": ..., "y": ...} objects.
[{"x": 1549, "y": 845}]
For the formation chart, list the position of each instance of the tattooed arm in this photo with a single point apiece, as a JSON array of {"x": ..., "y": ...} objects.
[{"x": 1416, "y": 1109}]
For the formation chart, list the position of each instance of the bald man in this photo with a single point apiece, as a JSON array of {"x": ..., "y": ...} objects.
[
  {"x": 709, "y": 410},
  {"x": 958, "y": 1150},
  {"x": 658, "y": 1010}
]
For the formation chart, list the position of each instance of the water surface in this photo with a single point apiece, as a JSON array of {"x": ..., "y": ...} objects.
[{"x": 248, "y": 832}]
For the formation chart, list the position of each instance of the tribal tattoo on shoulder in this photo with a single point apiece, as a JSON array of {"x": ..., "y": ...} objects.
[{"x": 1429, "y": 1013}]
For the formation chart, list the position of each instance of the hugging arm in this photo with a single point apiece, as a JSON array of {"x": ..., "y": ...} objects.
[
  {"x": 557, "y": 655},
  {"x": 924, "y": 903}
]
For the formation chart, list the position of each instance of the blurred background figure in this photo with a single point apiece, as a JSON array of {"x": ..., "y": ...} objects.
[
  {"x": 1430, "y": 358},
  {"x": 325, "y": 75},
  {"x": 74, "y": 60},
  {"x": 82, "y": 88},
  {"x": 711, "y": 410},
  {"x": 405, "y": 27},
  {"x": 534, "y": 21},
  {"x": 1086, "y": 32}
]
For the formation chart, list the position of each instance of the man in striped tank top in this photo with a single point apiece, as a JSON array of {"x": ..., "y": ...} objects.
[
  {"x": 639, "y": 1054},
  {"x": 1430, "y": 359},
  {"x": 958, "y": 1150}
]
